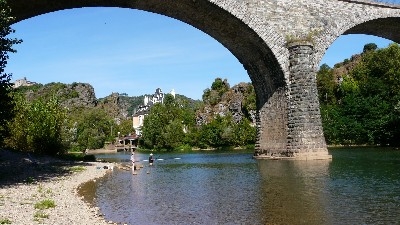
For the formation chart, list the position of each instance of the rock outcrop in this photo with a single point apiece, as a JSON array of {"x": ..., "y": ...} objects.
[{"x": 235, "y": 102}]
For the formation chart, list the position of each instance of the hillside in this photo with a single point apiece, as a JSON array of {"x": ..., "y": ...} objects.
[
  {"x": 82, "y": 95},
  {"x": 70, "y": 95},
  {"x": 346, "y": 66}
]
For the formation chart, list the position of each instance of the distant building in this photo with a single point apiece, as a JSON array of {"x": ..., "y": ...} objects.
[
  {"x": 157, "y": 97},
  {"x": 23, "y": 82},
  {"x": 143, "y": 110}
]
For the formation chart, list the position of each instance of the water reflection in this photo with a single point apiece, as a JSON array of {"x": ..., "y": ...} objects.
[
  {"x": 364, "y": 186},
  {"x": 196, "y": 189},
  {"x": 356, "y": 187},
  {"x": 293, "y": 191}
]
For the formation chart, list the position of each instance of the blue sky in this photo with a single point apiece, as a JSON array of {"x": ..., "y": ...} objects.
[{"x": 134, "y": 52}]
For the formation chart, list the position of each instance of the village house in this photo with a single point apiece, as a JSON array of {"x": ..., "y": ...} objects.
[{"x": 143, "y": 110}]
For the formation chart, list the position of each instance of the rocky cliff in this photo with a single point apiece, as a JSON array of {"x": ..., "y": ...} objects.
[
  {"x": 238, "y": 101},
  {"x": 70, "y": 95}
]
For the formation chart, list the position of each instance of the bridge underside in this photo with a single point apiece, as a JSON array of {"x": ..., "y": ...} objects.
[{"x": 388, "y": 28}]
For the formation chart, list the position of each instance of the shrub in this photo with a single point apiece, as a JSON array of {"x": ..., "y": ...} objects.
[{"x": 45, "y": 204}]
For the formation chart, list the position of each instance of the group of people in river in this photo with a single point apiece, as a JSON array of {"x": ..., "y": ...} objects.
[{"x": 151, "y": 161}]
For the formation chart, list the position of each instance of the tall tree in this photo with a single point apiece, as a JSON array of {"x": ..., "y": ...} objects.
[
  {"x": 37, "y": 126},
  {"x": 6, "y": 43},
  {"x": 93, "y": 128},
  {"x": 326, "y": 85}
]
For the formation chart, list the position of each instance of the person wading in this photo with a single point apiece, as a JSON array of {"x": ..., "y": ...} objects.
[
  {"x": 151, "y": 159},
  {"x": 133, "y": 163}
]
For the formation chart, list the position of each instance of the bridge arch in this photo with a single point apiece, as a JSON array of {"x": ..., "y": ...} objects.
[
  {"x": 384, "y": 27},
  {"x": 266, "y": 71},
  {"x": 283, "y": 74}
]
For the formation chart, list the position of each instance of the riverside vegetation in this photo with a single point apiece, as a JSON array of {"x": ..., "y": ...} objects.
[
  {"x": 360, "y": 98},
  {"x": 56, "y": 118},
  {"x": 360, "y": 105}
]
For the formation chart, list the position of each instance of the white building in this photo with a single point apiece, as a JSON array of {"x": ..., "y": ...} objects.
[{"x": 143, "y": 110}]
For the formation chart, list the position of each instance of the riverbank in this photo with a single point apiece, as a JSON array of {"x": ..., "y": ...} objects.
[{"x": 43, "y": 190}]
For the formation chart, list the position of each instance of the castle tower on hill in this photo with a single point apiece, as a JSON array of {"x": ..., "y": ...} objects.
[{"x": 23, "y": 82}]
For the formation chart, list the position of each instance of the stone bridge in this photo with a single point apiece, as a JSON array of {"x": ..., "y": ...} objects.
[{"x": 279, "y": 42}]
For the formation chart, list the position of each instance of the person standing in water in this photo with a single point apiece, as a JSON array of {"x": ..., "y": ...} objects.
[
  {"x": 151, "y": 159},
  {"x": 133, "y": 162}
]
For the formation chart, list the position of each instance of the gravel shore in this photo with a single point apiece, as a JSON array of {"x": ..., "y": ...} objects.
[{"x": 45, "y": 181}]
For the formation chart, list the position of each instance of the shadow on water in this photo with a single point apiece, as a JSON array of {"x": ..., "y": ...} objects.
[{"x": 293, "y": 192}]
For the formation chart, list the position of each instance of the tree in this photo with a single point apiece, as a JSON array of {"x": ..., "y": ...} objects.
[
  {"x": 326, "y": 85},
  {"x": 218, "y": 88},
  {"x": 366, "y": 110},
  {"x": 244, "y": 133},
  {"x": 369, "y": 47},
  {"x": 153, "y": 126},
  {"x": 6, "y": 103},
  {"x": 250, "y": 99},
  {"x": 37, "y": 126},
  {"x": 93, "y": 128},
  {"x": 6, "y": 106},
  {"x": 125, "y": 127},
  {"x": 169, "y": 125}
]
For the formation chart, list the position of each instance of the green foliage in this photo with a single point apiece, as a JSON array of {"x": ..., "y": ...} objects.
[
  {"x": 39, "y": 215},
  {"x": 6, "y": 46},
  {"x": 77, "y": 168},
  {"x": 169, "y": 125},
  {"x": 32, "y": 88},
  {"x": 92, "y": 128},
  {"x": 160, "y": 120},
  {"x": 363, "y": 109},
  {"x": 326, "y": 85},
  {"x": 5, "y": 221},
  {"x": 125, "y": 127},
  {"x": 6, "y": 106},
  {"x": 45, "y": 204},
  {"x": 218, "y": 88},
  {"x": 245, "y": 134},
  {"x": 211, "y": 133},
  {"x": 222, "y": 131},
  {"x": 250, "y": 99},
  {"x": 37, "y": 126},
  {"x": 370, "y": 47}
]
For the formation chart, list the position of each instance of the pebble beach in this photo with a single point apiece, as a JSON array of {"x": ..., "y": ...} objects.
[{"x": 29, "y": 197}]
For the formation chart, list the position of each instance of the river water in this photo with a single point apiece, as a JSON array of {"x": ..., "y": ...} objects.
[{"x": 359, "y": 186}]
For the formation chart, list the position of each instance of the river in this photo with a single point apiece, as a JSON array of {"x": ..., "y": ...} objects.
[{"x": 359, "y": 186}]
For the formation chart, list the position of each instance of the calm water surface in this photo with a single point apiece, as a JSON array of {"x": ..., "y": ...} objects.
[{"x": 359, "y": 186}]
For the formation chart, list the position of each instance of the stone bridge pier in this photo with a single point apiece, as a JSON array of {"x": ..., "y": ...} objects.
[
  {"x": 290, "y": 126},
  {"x": 279, "y": 42}
]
